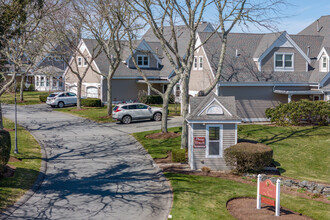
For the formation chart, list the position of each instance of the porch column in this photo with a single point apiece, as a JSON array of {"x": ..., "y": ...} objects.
[
  {"x": 289, "y": 98},
  {"x": 148, "y": 90}
]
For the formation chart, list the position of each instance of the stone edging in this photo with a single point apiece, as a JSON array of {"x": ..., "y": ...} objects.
[
  {"x": 38, "y": 182},
  {"x": 312, "y": 187}
]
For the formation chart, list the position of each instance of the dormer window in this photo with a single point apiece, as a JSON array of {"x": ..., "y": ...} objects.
[
  {"x": 283, "y": 62},
  {"x": 324, "y": 64},
  {"x": 143, "y": 61}
]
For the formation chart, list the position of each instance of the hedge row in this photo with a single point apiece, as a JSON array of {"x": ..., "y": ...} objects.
[
  {"x": 248, "y": 157},
  {"x": 91, "y": 102},
  {"x": 5, "y": 146},
  {"x": 303, "y": 111},
  {"x": 43, "y": 98}
]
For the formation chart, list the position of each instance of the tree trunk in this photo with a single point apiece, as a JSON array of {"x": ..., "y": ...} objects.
[
  {"x": 79, "y": 93},
  {"x": 184, "y": 110},
  {"x": 21, "y": 97},
  {"x": 165, "y": 113},
  {"x": 109, "y": 96},
  {"x": 1, "y": 122}
]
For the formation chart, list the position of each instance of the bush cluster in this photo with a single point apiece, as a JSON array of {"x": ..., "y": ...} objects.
[
  {"x": 179, "y": 155},
  {"x": 143, "y": 97},
  {"x": 91, "y": 102},
  {"x": 248, "y": 157},
  {"x": 303, "y": 111},
  {"x": 43, "y": 98},
  {"x": 5, "y": 146}
]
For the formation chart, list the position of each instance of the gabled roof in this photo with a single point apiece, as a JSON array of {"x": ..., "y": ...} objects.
[
  {"x": 243, "y": 69},
  {"x": 198, "y": 105},
  {"x": 320, "y": 27}
]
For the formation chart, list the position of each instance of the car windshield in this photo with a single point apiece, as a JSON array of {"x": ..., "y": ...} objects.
[{"x": 52, "y": 95}]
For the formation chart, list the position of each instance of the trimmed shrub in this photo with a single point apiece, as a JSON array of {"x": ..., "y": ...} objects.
[
  {"x": 154, "y": 99},
  {"x": 91, "y": 102},
  {"x": 302, "y": 111},
  {"x": 5, "y": 146},
  {"x": 179, "y": 155},
  {"x": 31, "y": 87},
  {"x": 43, "y": 98},
  {"x": 248, "y": 157}
]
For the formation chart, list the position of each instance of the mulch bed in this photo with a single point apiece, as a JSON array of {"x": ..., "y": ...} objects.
[
  {"x": 163, "y": 135},
  {"x": 245, "y": 209},
  {"x": 168, "y": 159},
  {"x": 14, "y": 159},
  {"x": 9, "y": 129}
]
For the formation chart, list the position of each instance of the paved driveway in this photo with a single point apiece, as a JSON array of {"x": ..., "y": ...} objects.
[{"x": 94, "y": 171}]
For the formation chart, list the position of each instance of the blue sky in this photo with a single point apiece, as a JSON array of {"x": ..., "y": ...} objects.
[{"x": 298, "y": 15}]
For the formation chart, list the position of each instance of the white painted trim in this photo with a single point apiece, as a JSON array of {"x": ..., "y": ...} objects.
[
  {"x": 236, "y": 134},
  {"x": 79, "y": 60},
  {"x": 195, "y": 63},
  {"x": 143, "y": 42},
  {"x": 322, "y": 69},
  {"x": 208, "y": 62},
  {"x": 220, "y": 141},
  {"x": 324, "y": 80},
  {"x": 192, "y": 92},
  {"x": 143, "y": 57},
  {"x": 283, "y": 68},
  {"x": 323, "y": 50},
  {"x": 91, "y": 84},
  {"x": 265, "y": 84},
  {"x": 214, "y": 122},
  {"x": 191, "y": 146},
  {"x": 214, "y": 99},
  {"x": 275, "y": 44},
  {"x": 255, "y": 120},
  {"x": 199, "y": 63}
]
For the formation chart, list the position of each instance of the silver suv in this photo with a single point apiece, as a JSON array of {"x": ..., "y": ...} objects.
[
  {"x": 126, "y": 113},
  {"x": 61, "y": 99}
]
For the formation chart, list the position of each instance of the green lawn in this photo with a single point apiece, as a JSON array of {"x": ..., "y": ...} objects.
[
  {"x": 30, "y": 98},
  {"x": 98, "y": 114},
  {"x": 158, "y": 148},
  {"x": 27, "y": 170},
  {"x": 200, "y": 197},
  {"x": 173, "y": 109},
  {"x": 300, "y": 152}
]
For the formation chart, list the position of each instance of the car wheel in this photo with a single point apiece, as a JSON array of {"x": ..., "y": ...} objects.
[
  {"x": 60, "y": 104},
  {"x": 126, "y": 119},
  {"x": 157, "y": 116},
  {"x": 53, "y": 106}
]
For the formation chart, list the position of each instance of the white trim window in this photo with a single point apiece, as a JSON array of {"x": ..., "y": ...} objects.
[
  {"x": 85, "y": 62},
  {"x": 200, "y": 59},
  {"x": 283, "y": 62},
  {"x": 195, "y": 64},
  {"x": 214, "y": 139},
  {"x": 42, "y": 81},
  {"x": 324, "y": 64},
  {"x": 143, "y": 60},
  {"x": 79, "y": 61}
]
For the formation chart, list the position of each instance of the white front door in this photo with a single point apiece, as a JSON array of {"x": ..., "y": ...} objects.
[{"x": 92, "y": 92}]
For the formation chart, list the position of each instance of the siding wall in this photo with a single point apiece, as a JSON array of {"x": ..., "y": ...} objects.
[
  {"x": 199, "y": 159},
  {"x": 299, "y": 62},
  {"x": 252, "y": 101}
]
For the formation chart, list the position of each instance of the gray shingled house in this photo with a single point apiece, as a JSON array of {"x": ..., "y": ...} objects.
[
  {"x": 212, "y": 123},
  {"x": 127, "y": 82},
  {"x": 264, "y": 70}
]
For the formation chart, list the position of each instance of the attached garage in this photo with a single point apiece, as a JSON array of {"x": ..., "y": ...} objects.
[{"x": 92, "y": 92}]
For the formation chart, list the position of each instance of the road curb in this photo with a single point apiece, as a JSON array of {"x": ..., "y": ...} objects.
[{"x": 42, "y": 173}]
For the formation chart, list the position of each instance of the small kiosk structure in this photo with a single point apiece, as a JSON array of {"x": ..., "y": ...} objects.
[{"x": 212, "y": 123}]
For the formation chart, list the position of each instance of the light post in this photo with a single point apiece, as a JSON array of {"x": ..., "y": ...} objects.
[{"x": 16, "y": 149}]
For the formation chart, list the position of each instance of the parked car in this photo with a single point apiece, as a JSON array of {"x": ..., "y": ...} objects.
[
  {"x": 61, "y": 99},
  {"x": 126, "y": 113}
]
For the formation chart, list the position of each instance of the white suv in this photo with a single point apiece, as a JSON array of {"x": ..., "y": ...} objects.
[
  {"x": 61, "y": 99},
  {"x": 126, "y": 113}
]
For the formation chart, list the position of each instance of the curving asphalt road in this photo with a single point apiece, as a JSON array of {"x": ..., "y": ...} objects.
[{"x": 94, "y": 171}]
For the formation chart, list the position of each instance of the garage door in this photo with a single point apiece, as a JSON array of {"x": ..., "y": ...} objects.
[
  {"x": 92, "y": 92},
  {"x": 73, "y": 89}
]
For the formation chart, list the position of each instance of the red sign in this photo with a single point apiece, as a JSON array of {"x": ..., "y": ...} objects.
[
  {"x": 199, "y": 142},
  {"x": 267, "y": 188}
]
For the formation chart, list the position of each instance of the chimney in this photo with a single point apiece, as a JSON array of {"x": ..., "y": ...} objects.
[
  {"x": 237, "y": 53},
  {"x": 308, "y": 50},
  {"x": 317, "y": 26}
]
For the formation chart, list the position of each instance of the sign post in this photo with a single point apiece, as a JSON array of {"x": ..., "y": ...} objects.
[{"x": 272, "y": 192}]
